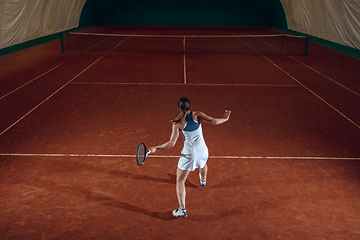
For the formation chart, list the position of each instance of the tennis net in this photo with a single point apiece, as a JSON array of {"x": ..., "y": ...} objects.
[{"x": 276, "y": 44}]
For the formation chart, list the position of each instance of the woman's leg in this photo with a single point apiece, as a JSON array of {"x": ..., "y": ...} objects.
[
  {"x": 181, "y": 177},
  {"x": 203, "y": 172}
]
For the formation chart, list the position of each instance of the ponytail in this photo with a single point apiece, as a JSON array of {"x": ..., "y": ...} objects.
[{"x": 184, "y": 106}]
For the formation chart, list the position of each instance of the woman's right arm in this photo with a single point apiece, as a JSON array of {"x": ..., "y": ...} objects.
[{"x": 175, "y": 132}]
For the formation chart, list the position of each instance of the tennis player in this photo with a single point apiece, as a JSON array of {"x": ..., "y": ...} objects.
[{"x": 194, "y": 153}]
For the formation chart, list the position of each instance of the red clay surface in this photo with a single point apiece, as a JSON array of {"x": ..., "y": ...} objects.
[{"x": 286, "y": 165}]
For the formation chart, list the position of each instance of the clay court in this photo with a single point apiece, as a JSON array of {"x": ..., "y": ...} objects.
[{"x": 285, "y": 166}]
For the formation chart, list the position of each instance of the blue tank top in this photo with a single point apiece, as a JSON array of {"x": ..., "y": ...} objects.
[{"x": 191, "y": 124}]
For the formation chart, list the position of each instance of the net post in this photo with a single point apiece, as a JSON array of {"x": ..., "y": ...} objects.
[
  {"x": 68, "y": 43},
  {"x": 62, "y": 42},
  {"x": 306, "y": 45}
]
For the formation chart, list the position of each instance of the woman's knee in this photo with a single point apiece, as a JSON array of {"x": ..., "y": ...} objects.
[{"x": 181, "y": 175}]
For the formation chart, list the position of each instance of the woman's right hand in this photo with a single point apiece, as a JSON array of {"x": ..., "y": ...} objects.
[{"x": 152, "y": 149}]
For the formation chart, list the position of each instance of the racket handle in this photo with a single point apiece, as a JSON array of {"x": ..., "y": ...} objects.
[{"x": 148, "y": 152}]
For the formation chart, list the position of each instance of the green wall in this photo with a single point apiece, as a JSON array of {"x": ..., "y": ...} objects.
[{"x": 184, "y": 13}]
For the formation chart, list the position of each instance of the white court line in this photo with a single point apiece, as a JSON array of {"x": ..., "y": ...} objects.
[
  {"x": 325, "y": 76},
  {"x": 184, "y": 60},
  {"x": 21, "y": 118},
  {"x": 32, "y": 80},
  {"x": 312, "y": 92},
  {"x": 308, "y": 89},
  {"x": 33, "y": 109},
  {"x": 311, "y": 69},
  {"x": 49, "y": 70},
  {"x": 171, "y": 156}
]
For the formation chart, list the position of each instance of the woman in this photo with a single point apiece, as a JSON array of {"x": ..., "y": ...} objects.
[{"x": 194, "y": 153}]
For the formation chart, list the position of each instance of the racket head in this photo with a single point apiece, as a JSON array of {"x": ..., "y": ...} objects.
[{"x": 141, "y": 154}]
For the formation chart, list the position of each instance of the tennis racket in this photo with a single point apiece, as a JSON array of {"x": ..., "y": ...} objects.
[{"x": 141, "y": 154}]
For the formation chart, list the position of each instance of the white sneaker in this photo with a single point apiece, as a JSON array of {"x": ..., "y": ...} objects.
[
  {"x": 180, "y": 213},
  {"x": 202, "y": 183}
]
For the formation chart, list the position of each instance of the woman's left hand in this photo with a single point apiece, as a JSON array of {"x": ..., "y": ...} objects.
[{"x": 227, "y": 114}]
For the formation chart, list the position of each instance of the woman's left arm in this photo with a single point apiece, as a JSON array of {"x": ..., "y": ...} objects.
[{"x": 216, "y": 121}]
